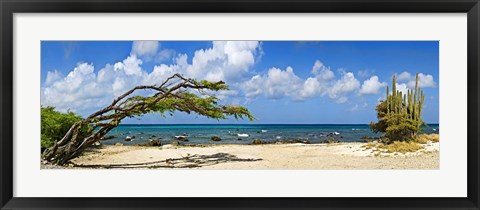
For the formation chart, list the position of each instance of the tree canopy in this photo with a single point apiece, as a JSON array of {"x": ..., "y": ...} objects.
[
  {"x": 176, "y": 93},
  {"x": 55, "y": 124}
]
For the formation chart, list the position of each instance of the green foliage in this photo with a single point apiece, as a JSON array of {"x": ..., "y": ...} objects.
[
  {"x": 399, "y": 116},
  {"x": 174, "y": 94},
  {"x": 189, "y": 102},
  {"x": 55, "y": 124}
]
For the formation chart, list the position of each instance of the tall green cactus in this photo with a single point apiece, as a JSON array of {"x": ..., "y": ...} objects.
[{"x": 408, "y": 104}]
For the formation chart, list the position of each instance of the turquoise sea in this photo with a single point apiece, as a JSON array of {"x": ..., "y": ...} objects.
[{"x": 243, "y": 134}]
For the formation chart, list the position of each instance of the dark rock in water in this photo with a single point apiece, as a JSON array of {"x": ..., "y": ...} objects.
[
  {"x": 257, "y": 141},
  {"x": 154, "y": 136},
  {"x": 128, "y": 138},
  {"x": 331, "y": 140},
  {"x": 133, "y": 137},
  {"x": 175, "y": 143},
  {"x": 301, "y": 141},
  {"x": 332, "y": 134},
  {"x": 152, "y": 143},
  {"x": 239, "y": 139},
  {"x": 182, "y": 138},
  {"x": 294, "y": 141},
  {"x": 107, "y": 137},
  {"x": 216, "y": 138},
  {"x": 141, "y": 133}
]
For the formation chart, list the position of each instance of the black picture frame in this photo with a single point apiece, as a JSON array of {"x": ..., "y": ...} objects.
[{"x": 10, "y": 7}]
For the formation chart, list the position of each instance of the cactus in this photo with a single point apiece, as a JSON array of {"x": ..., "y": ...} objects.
[{"x": 406, "y": 105}]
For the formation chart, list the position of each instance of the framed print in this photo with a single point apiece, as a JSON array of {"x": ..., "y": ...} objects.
[{"x": 239, "y": 105}]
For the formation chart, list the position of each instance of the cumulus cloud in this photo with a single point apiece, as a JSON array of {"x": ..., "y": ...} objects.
[
  {"x": 404, "y": 76},
  {"x": 164, "y": 55},
  {"x": 76, "y": 87},
  {"x": 145, "y": 49},
  {"x": 371, "y": 86},
  {"x": 424, "y": 80},
  {"x": 83, "y": 88},
  {"x": 347, "y": 83},
  {"x": 226, "y": 60},
  {"x": 278, "y": 83},
  {"x": 150, "y": 50},
  {"x": 402, "y": 87},
  {"x": 53, "y": 76},
  {"x": 321, "y": 71}
]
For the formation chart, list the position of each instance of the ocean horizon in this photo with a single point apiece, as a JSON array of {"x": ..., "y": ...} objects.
[{"x": 243, "y": 133}]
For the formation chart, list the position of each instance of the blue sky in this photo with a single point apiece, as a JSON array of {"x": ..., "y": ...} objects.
[{"x": 333, "y": 82}]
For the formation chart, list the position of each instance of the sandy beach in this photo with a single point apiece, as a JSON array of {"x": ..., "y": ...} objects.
[{"x": 268, "y": 156}]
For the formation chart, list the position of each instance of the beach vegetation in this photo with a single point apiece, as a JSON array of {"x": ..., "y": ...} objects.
[
  {"x": 55, "y": 124},
  {"x": 399, "y": 115},
  {"x": 175, "y": 94},
  {"x": 425, "y": 138},
  {"x": 394, "y": 147},
  {"x": 400, "y": 146},
  {"x": 369, "y": 145}
]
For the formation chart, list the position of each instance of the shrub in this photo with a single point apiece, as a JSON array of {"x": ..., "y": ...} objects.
[
  {"x": 55, "y": 124},
  {"x": 399, "y": 146},
  {"x": 369, "y": 145},
  {"x": 423, "y": 139}
]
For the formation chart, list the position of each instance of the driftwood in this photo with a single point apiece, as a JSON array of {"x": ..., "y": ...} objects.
[{"x": 174, "y": 94}]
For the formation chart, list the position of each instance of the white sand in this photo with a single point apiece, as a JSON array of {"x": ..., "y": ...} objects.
[{"x": 270, "y": 156}]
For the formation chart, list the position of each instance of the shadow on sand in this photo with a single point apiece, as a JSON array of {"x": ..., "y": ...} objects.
[{"x": 190, "y": 161}]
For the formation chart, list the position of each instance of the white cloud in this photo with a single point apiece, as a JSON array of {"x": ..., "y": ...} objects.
[
  {"x": 253, "y": 87},
  {"x": 164, "y": 55},
  {"x": 226, "y": 60},
  {"x": 53, "y": 76},
  {"x": 145, "y": 49},
  {"x": 84, "y": 89},
  {"x": 371, "y": 86},
  {"x": 223, "y": 94},
  {"x": 278, "y": 83},
  {"x": 131, "y": 66},
  {"x": 321, "y": 71},
  {"x": 404, "y": 76},
  {"x": 424, "y": 80},
  {"x": 311, "y": 87},
  {"x": 73, "y": 90},
  {"x": 275, "y": 84},
  {"x": 402, "y": 87},
  {"x": 347, "y": 83}
]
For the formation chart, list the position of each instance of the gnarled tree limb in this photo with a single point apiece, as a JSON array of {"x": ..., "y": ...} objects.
[{"x": 174, "y": 94}]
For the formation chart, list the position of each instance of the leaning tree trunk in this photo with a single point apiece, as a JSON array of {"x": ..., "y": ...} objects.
[{"x": 171, "y": 95}]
